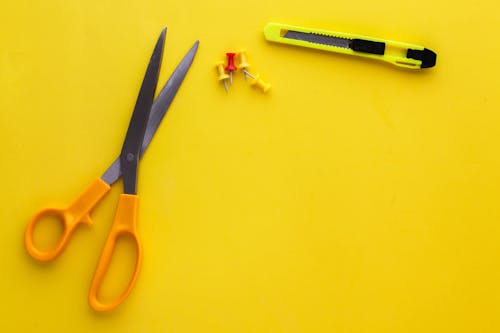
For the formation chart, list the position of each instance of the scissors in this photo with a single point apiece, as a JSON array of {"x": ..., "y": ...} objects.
[{"x": 144, "y": 122}]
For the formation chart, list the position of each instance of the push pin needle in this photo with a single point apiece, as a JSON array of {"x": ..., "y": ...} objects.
[
  {"x": 244, "y": 65},
  {"x": 230, "y": 66},
  {"x": 222, "y": 75}
]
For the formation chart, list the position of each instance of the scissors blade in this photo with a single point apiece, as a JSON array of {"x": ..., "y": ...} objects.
[
  {"x": 166, "y": 96},
  {"x": 158, "y": 111},
  {"x": 129, "y": 157}
]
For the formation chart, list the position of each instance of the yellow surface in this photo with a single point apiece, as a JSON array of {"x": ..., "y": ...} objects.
[{"x": 354, "y": 197}]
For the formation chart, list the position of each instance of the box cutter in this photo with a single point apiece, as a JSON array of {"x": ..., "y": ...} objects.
[{"x": 397, "y": 53}]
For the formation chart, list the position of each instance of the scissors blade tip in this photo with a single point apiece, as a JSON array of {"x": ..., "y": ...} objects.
[
  {"x": 193, "y": 49},
  {"x": 163, "y": 32}
]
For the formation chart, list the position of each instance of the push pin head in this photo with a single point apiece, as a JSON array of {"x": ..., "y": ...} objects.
[
  {"x": 244, "y": 65},
  {"x": 243, "y": 59},
  {"x": 261, "y": 84},
  {"x": 222, "y": 75},
  {"x": 230, "y": 66}
]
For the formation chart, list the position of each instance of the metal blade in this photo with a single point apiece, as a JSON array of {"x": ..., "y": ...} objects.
[
  {"x": 158, "y": 111},
  {"x": 129, "y": 157},
  {"x": 167, "y": 94},
  {"x": 319, "y": 39}
]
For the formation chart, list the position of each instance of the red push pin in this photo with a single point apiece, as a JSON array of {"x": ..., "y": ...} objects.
[{"x": 230, "y": 66}]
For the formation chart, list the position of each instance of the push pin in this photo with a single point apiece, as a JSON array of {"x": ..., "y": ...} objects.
[
  {"x": 261, "y": 84},
  {"x": 222, "y": 75},
  {"x": 230, "y": 66},
  {"x": 244, "y": 64}
]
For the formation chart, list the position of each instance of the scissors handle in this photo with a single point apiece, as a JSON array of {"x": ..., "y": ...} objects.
[
  {"x": 124, "y": 224},
  {"x": 71, "y": 217}
]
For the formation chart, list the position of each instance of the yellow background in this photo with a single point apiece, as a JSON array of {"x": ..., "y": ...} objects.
[{"x": 354, "y": 197}]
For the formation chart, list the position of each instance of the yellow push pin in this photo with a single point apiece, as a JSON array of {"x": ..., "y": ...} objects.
[
  {"x": 259, "y": 83},
  {"x": 222, "y": 74},
  {"x": 244, "y": 64}
]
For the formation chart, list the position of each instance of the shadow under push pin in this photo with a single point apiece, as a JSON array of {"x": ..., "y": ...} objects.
[
  {"x": 244, "y": 65},
  {"x": 230, "y": 66},
  {"x": 222, "y": 75},
  {"x": 261, "y": 84}
]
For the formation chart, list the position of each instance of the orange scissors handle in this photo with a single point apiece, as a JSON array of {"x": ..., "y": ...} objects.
[
  {"x": 71, "y": 217},
  {"x": 124, "y": 224}
]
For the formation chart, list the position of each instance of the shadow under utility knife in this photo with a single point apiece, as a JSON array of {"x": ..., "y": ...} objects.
[{"x": 397, "y": 53}]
